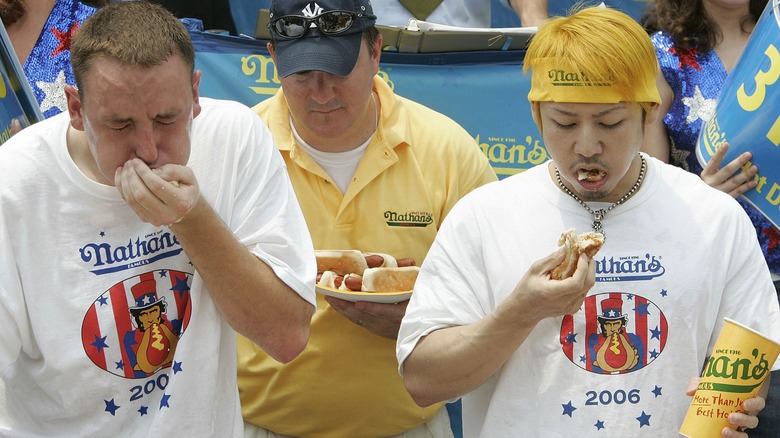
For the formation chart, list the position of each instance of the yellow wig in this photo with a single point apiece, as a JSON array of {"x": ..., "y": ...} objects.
[{"x": 595, "y": 55}]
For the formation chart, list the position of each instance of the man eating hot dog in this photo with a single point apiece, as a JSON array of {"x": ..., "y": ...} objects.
[{"x": 525, "y": 351}]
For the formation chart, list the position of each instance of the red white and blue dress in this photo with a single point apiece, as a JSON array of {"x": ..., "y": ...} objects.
[
  {"x": 696, "y": 80},
  {"x": 48, "y": 67}
]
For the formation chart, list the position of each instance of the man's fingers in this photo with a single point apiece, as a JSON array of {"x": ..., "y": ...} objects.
[{"x": 547, "y": 264}]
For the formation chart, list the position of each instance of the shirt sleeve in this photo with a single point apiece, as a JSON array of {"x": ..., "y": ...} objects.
[
  {"x": 266, "y": 216},
  {"x": 452, "y": 286},
  {"x": 13, "y": 320}
]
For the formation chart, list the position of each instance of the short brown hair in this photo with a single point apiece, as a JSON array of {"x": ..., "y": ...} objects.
[{"x": 134, "y": 33}]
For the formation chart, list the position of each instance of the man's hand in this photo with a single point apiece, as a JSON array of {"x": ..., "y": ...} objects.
[
  {"x": 742, "y": 421},
  {"x": 161, "y": 196},
  {"x": 16, "y": 126},
  {"x": 729, "y": 179},
  {"x": 537, "y": 296},
  {"x": 378, "y": 318}
]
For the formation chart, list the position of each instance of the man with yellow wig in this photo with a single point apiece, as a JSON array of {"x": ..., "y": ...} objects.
[{"x": 487, "y": 322}]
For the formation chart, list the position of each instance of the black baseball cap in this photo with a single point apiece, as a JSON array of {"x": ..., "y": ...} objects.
[{"x": 335, "y": 53}]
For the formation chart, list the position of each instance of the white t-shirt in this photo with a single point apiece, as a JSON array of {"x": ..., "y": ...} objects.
[
  {"x": 463, "y": 13},
  {"x": 678, "y": 258},
  {"x": 80, "y": 273}
]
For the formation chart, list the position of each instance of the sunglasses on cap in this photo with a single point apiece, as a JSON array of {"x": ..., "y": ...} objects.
[{"x": 329, "y": 23}]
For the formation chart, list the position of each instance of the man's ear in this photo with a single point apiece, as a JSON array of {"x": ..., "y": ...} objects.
[
  {"x": 536, "y": 114},
  {"x": 73, "y": 100},
  {"x": 652, "y": 113},
  {"x": 196, "y": 75},
  {"x": 377, "y": 53},
  {"x": 271, "y": 50}
]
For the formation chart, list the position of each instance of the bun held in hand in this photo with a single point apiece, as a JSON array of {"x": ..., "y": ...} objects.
[{"x": 588, "y": 243}]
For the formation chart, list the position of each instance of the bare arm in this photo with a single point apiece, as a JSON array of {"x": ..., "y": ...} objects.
[
  {"x": 450, "y": 362},
  {"x": 530, "y": 12},
  {"x": 251, "y": 297}
]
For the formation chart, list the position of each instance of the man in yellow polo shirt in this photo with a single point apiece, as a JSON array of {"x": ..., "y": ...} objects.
[{"x": 374, "y": 172}]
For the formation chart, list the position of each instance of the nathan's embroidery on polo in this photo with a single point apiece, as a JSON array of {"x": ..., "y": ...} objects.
[{"x": 408, "y": 219}]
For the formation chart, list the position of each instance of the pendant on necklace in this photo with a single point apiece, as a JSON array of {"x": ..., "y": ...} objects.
[{"x": 597, "y": 227}]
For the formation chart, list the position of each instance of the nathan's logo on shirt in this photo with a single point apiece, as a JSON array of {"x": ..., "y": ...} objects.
[
  {"x": 106, "y": 257},
  {"x": 617, "y": 333},
  {"x": 629, "y": 268},
  {"x": 563, "y": 78},
  {"x": 132, "y": 328},
  {"x": 409, "y": 219}
]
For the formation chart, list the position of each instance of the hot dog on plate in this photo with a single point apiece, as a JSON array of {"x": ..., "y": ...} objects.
[
  {"x": 390, "y": 279},
  {"x": 353, "y": 270},
  {"x": 342, "y": 262}
]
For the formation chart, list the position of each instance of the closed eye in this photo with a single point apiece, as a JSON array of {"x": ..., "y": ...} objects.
[
  {"x": 565, "y": 126},
  {"x": 612, "y": 125}
]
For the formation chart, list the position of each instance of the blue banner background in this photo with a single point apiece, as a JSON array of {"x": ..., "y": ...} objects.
[
  {"x": 483, "y": 91},
  {"x": 16, "y": 98}
]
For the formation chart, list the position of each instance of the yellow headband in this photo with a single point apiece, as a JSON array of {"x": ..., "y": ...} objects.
[{"x": 557, "y": 80}]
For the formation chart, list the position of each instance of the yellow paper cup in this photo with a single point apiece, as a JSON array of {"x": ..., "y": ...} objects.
[{"x": 738, "y": 365}]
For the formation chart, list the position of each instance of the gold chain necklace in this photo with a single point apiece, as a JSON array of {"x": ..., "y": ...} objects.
[{"x": 598, "y": 215}]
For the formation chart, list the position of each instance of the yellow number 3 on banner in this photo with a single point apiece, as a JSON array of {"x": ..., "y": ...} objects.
[
  {"x": 2, "y": 88},
  {"x": 763, "y": 79}
]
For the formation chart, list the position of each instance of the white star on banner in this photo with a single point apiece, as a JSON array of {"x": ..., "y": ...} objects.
[
  {"x": 699, "y": 107},
  {"x": 54, "y": 93}
]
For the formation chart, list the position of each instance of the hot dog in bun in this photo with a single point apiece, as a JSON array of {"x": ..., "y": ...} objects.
[
  {"x": 390, "y": 279},
  {"x": 342, "y": 262},
  {"x": 588, "y": 243},
  {"x": 328, "y": 279}
]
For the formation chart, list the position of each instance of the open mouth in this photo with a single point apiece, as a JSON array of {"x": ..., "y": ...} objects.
[{"x": 591, "y": 175}]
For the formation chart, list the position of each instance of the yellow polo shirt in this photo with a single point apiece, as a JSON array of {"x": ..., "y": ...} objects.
[{"x": 345, "y": 383}]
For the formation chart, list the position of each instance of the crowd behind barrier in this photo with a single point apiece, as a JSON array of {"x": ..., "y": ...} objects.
[{"x": 245, "y": 11}]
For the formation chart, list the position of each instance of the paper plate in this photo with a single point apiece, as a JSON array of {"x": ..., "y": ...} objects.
[{"x": 373, "y": 297}]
